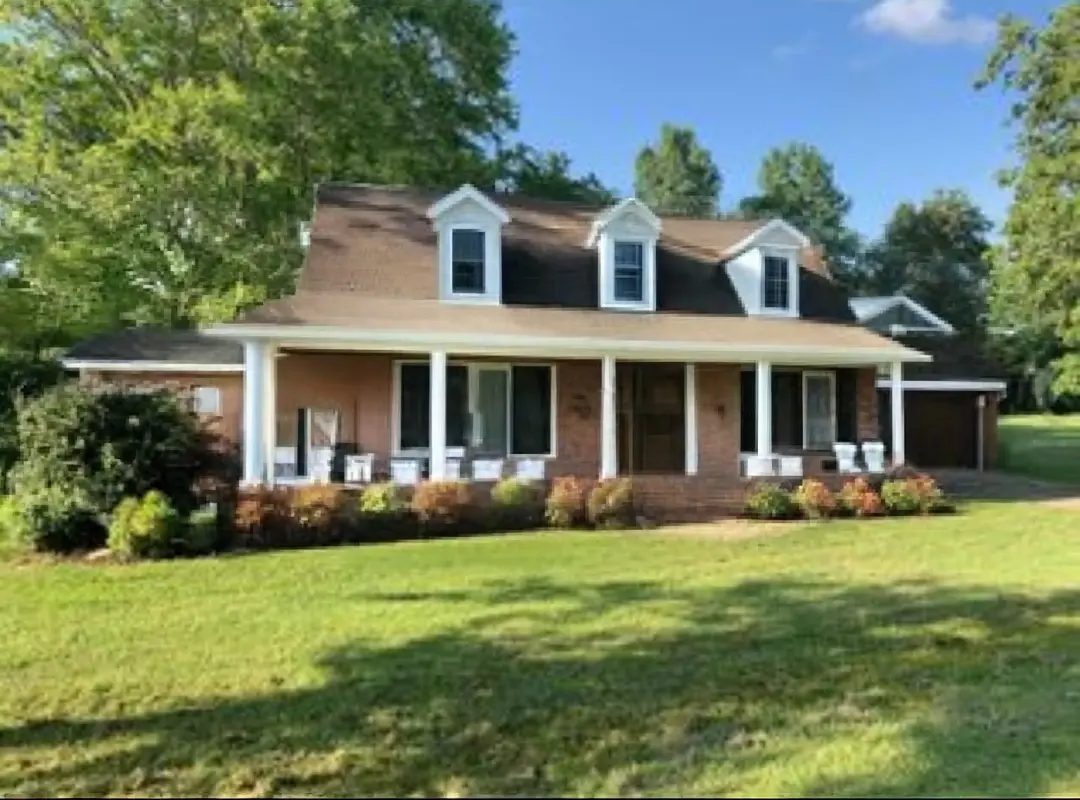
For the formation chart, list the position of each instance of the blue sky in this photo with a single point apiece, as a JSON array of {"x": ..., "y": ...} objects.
[{"x": 882, "y": 87}]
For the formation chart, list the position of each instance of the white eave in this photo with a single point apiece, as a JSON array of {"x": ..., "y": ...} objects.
[
  {"x": 105, "y": 365},
  {"x": 631, "y": 205},
  {"x": 762, "y": 234},
  {"x": 466, "y": 193}
]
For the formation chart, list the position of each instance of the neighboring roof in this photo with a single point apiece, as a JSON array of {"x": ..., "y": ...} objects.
[
  {"x": 400, "y": 323},
  {"x": 155, "y": 348},
  {"x": 380, "y": 241},
  {"x": 868, "y": 308},
  {"x": 955, "y": 358}
]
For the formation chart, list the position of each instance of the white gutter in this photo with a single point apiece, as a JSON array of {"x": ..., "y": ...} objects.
[
  {"x": 94, "y": 365},
  {"x": 948, "y": 386},
  {"x": 313, "y": 336}
]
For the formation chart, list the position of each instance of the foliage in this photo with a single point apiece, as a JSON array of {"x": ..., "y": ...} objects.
[
  {"x": 611, "y": 504},
  {"x": 9, "y": 522},
  {"x": 52, "y": 519},
  {"x": 102, "y": 446},
  {"x": 145, "y": 528},
  {"x": 566, "y": 503},
  {"x": 203, "y": 533},
  {"x": 383, "y": 498},
  {"x": 797, "y": 184},
  {"x": 384, "y": 514},
  {"x": 319, "y": 512},
  {"x": 529, "y": 172},
  {"x": 935, "y": 253},
  {"x": 677, "y": 175},
  {"x": 23, "y": 376},
  {"x": 155, "y": 156},
  {"x": 901, "y": 496},
  {"x": 517, "y": 504},
  {"x": 814, "y": 499},
  {"x": 769, "y": 501},
  {"x": 443, "y": 506},
  {"x": 262, "y": 519},
  {"x": 858, "y": 498},
  {"x": 1042, "y": 446},
  {"x": 1036, "y": 266}
]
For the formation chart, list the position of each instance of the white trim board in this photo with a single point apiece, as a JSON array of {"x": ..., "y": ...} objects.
[
  {"x": 146, "y": 366},
  {"x": 765, "y": 230},
  {"x": 947, "y": 386},
  {"x": 517, "y": 345}
]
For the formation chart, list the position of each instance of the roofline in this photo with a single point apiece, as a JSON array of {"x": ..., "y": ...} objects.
[
  {"x": 912, "y": 305},
  {"x": 738, "y": 247},
  {"x": 467, "y": 192},
  {"x": 947, "y": 385},
  {"x": 107, "y": 365},
  {"x": 570, "y": 347}
]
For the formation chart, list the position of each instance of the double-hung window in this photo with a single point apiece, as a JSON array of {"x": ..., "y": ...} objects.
[
  {"x": 467, "y": 264},
  {"x": 776, "y": 284},
  {"x": 629, "y": 272},
  {"x": 492, "y": 409}
]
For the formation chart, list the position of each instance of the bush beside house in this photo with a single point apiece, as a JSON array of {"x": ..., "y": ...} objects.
[{"x": 901, "y": 494}]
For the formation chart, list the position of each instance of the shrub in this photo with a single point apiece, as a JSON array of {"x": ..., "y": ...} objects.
[
  {"x": 52, "y": 520},
  {"x": 384, "y": 515},
  {"x": 101, "y": 446},
  {"x": 443, "y": 506},
  {"x": 517, "y": 504},
  {"x": 203, "y": 533},
  {"x": 22, "y": 377},
  {"x": 261, "y": 519},
  {"x": 859, "y": 499},
  {"x": 931, "y": 498},
  {"x": 900, "y": 497},
  {"x": 565, "y": 506},
  {"x": 9, "y": 521},
  {"x": 814, "y": 499},
  {"x": 317, "y": 514},
  {"x": 611, "y": 504},
  {"x": 769, "y": 501},
  {"x": 146, "y": 528}
]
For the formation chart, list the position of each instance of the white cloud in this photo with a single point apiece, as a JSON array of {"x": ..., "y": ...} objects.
[{"x": 926, "y": 22}]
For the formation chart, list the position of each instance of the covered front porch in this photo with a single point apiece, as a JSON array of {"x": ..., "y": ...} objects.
[{"x": 338, "y": 413}]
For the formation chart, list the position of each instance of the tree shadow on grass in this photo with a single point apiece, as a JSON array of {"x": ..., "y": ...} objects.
[{"x": 981, "y": 690}]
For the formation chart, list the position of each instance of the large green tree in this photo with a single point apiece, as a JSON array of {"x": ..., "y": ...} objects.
[
  {"x": 797, "y": 183},
  {"x": 677, "y": 175},
  {"x": 158, "y": 156},
  {"x": 547, "y": 175},
  {"x": 935, "y": 253},
  {"x": 1036, "y": 267}
]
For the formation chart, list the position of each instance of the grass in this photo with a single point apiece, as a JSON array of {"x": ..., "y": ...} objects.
[
  {"x": 901, "y": 657},
  {"x": 1045, "y": 446}
]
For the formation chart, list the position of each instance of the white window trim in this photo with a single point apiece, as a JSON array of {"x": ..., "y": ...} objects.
[
  {"x": 791, "y": 255},
  {"x": 492, "y": 293},
  {"x": 473, "y": 368},
  {"x": 607, "y": 273},
  {"x": 831, "y": 376}
]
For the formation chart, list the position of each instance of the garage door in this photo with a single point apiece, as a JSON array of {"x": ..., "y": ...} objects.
[{"x": 942, "y": 427}]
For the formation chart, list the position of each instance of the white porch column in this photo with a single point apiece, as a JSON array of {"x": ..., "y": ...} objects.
[
  {"x": 270, "y": 410},
  {"x": 437, "y": 437},
  {"x": 691, "y": 420},
  {"x": 254, "y": 412},
  {"x": 609, "y": 451},
  {"x": 896, "y": 390},
  {"x": 764, "y": 409}
]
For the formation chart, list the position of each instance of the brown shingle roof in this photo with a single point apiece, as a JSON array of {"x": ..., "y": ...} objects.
[{"x": 434, "y": 319}]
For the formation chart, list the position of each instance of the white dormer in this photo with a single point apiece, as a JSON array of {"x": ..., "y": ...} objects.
[
  {"x": 469, "y": 228},
  {"x": 764, "y": 269},
  {"x": 625, "y": 237}
]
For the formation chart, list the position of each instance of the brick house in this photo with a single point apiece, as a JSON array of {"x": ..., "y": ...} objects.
[{"x": 473, "y": 334}]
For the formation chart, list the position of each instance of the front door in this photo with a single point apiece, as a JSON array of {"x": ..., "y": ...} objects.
[{"x": 651, "y": 410}]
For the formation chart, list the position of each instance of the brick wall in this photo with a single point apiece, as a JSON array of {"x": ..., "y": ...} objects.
[
  {"x": 867, "y": 404},
  {"x": 718, "y": 419}
]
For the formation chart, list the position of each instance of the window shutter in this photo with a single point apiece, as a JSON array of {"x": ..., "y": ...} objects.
[{"x": 847, "y": 426}]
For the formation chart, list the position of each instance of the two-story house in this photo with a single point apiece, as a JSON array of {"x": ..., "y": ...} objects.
[{"x": 465, "y": 328}]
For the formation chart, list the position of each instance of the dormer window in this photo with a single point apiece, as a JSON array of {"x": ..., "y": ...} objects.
[
  {"x": 469, "y": 228},
  {"x": 467, "y": 261},
  {"x": 625, "y": 238},
  {"x": 629, "y": 272},
  {"x": 776, "y": 284}
]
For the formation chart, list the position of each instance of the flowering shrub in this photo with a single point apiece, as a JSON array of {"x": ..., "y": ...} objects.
[
  {"x": 769, "y": 501},
  {"x": 517, "y": 504},
  {"x": 859, "y": 499},
  {"x": 901, "y": 497},
  {"x": 814, "y": 499},
  {"x": 565, "y": 507},
  {"x": 443, "y": 506},
  {"x": 611, "y": 504}
]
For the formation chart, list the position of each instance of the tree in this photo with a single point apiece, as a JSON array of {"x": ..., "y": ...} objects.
[
  {"x": 1036, "y": 268},
  {"x": 797, "y": 184},
  {"x": 935, "y": 254},
  {"x": 527, "y": 171},
  {"x": 157, "y": 158},
  {"x": 677, "y": 175}
]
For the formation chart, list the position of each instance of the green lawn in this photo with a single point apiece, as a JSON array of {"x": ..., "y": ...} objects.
[
  {"x": 925, "y": 656},
  {"x": 1043, "y": 446}
]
